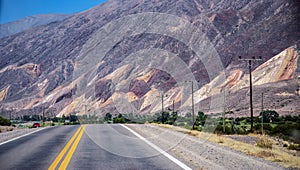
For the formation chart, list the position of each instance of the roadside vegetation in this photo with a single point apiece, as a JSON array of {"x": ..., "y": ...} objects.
[
  {"x": 269, "y": 123},
  {"x": 276, "y": 138},
  {"x": 4, "y": 121},
  {"x": 266, "y": 147}
]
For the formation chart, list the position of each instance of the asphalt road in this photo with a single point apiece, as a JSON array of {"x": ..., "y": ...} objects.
[{"x": 92, "y": 147}]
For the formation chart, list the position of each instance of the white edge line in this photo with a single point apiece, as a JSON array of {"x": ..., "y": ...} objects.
[
  {"x": 21, "y": 136},
  {"x": 179, "y": 163}
]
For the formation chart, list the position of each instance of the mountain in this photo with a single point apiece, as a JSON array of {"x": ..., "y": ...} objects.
[
  {"x": 122, "y": 56},
  {"x": 14, "y": 27}
]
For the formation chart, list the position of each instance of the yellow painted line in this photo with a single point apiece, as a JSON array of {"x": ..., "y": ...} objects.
[
  {"x": 65, "y": 149},
  {"x": 67, "y": 159}
]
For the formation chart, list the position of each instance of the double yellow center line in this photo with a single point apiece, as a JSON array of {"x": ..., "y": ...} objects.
[{"x": 70, "y": 147}]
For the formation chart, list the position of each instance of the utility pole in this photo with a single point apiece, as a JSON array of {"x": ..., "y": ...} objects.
[
  {"x": 10, "y": 113},
  {"x": 85, "y": 113},
  {"x": 224, "y": 111},
  {"x": 43, "y": 110},
  {"x": 173, "y": 107},
  {"x": 162, "y": 108},
  {"x": 193, "y": 110},
  {"x": 262, "y": 113},
  {"x": 249, "y": 60}
]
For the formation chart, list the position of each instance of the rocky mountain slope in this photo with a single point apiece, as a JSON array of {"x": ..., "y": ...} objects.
[
  {"x": 122, "y": 56},
  {"x": 14, "y": 27}
]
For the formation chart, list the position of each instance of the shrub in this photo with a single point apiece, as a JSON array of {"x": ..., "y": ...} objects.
[
  {"x": 199, "y": 128},
  {"x": 107, "y": 117},
  {"x": 219, "y": 130},
  {"x": 287, "y": 131},
  {"x": 179, "y": 123},
  {"x": 264, "y": 142},
  {"x": 4, "y": 121},
  {"x": 264, "y": 154},
  {"x": 293, "y": 147},
  {"x": 267, "y": 127},
  {"x": 241, "y": 131},
  {"x": 200, "y": 119},
  {"x": 119, "y": 119}
]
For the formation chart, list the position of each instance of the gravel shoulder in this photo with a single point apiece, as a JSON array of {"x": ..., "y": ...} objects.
[
  {"x": 16, "y": 132},
  {"x": 199, "y": 153}
]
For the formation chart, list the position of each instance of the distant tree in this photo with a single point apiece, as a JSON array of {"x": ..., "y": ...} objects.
[
  {"x": 107, "y": 117},
  {"x": 165, "y": 117},
  {"x": 26, "y": 118},
  {"x": 63, "y": 118},
  {"x": 4, "y": 121},
  {"x": 35, "y": 117},
  {"x": 200, "y": 119},
  {"x": 119, "y": 119},
  {"x": 55, "y": 119},
  {"x": 172, "y": 118},
  {"x": 288, "y": 118},
  {"x": 269, "y": 116},
  {"x": 73, "y": 118}
]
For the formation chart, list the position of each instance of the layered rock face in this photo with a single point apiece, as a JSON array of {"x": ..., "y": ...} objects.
[{"x": 123, "y": 56}]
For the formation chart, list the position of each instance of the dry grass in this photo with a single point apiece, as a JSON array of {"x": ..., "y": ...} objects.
[
  {"x": 6, "y": 129},
  {"x": 274, "y": 154},
  {"x": 265, "y": 142}
]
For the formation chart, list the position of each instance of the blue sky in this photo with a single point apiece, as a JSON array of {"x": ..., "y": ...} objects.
[{"x": 11, "y": 10}]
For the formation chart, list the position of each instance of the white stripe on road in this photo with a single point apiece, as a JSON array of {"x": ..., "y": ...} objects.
[
  {"x": 179, "y": 163},
  {"x": 20, "y": 136}
]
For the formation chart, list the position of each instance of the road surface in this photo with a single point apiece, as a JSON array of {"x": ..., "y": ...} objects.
[{"x": 85, "y": 147}]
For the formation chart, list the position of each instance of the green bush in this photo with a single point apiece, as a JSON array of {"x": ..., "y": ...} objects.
[
  {"x": 179, "y": 124},
  {"x": 293, "y": 147},
  {"x": 219, "y": 130},
  {"x": 267, "y": 128},
  {"x": 4, "y": 121},
  {"x": 119, "y": 119},
  {"x": 200, "y": 119},
  {"x": 199, "y": 128},
  {"x": 287, "y": 131},
  {"x": 241, "y": 131},
  {"x": 108, "y": 117}
]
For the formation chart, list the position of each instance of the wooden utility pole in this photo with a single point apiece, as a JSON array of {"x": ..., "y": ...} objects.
[
  {"x": 224, "y": 111},
  {"x": 173, "y": 107},
  {"x": 162, "y": 108},
  {"x": 10, "y": 113},
  {"x": 43, "y": 115},
  {"x": 193, "y": 110},
  {"x": 262, "y": 113},
  {"x": 250, "y": 60}
]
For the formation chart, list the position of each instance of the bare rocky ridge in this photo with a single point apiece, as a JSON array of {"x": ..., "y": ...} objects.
[
  {"x": 37, "y": 65},
  {"x": 15, "y": 27}
]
